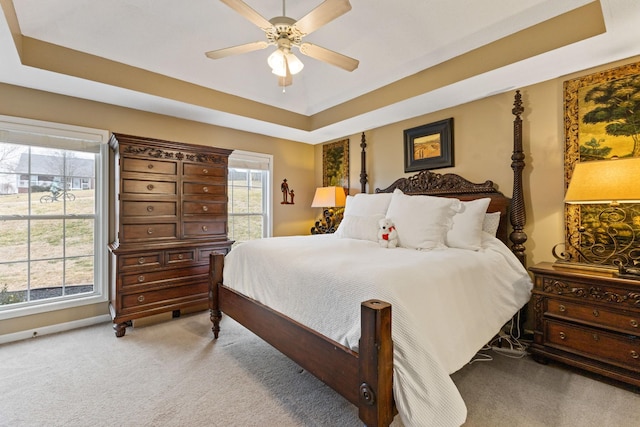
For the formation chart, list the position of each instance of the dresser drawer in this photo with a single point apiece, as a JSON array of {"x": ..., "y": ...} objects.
[
  {"x": 620, "y": 350},
  {"x": 204, "y": 208},
  {"x": 204, "y": 253},
  {"x": 143, "y": 260},
  {"x": 595, "y": 315},
  {"x": 130, "y": 208},
  {"x": 134, "y": 186},
  {"x": 199, "y": 188},
  {"x": 149, "y": 166},
  {"x": 159, "y": 277},
  {"x": 181, "y": 256},
  {"x": 202, "y": 170},
  {"x": 204, "y": 228},
  {"x": 138, "y": 232},
  {"x": 192, "y": 291}
]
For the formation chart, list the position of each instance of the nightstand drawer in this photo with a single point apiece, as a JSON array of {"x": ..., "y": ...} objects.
[
  {"x": 620, "y": 321},
  {"x": 620, "y": 350}
]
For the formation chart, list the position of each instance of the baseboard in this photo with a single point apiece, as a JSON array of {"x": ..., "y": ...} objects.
[{"x": 47, "y": 330}]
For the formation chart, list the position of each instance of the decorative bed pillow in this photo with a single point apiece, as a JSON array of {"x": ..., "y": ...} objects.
[
  {"x": 491, "y": 223},
  {"x": 466, "y": 232},
  {"x": 422, "y": 222},
  {"x": 359, "y": 227},
  {"x": 363, "y": 204}
]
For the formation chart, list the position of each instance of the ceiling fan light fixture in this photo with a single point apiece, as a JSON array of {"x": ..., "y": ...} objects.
[{"x": 278, "y": 66}]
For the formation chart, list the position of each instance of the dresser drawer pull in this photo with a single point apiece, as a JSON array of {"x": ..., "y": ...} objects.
[
  {"x": 634, "y": 323},
  {"x": 563, "y": 336},
  {"x": 205, "y": 171},
  {"x": 141, "y": 278},
  {"x": 596, "y": 337},
  {"x": 141, "y": 298},
  {"x": 205, "y": 189},
  {"x": 150, "y": 165},
  {"x": 562, "y": 308},
  {"x": 149, "y": 230},
  {"x": 205, "y": 228},
  {"x": 150, "y": 187},
  {"x": 149, "y": 208},
  {"x": 596, "y": 313},
  {"x": 141, "y": 260},
  {"x": 205, "y": 208},
  {"x": 634, "y": 354},
  {"x": 180, "y": 256}
]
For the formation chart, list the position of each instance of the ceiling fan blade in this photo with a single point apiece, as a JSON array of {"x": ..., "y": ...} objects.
[
  {"x": 248, "y": 13},
  {"x": 329, "y": 56},
  {"x": 236, "y": 50},
  {"x": 321, "y": 15}
]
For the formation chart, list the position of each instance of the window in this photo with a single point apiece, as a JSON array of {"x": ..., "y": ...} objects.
[
  {"x": 249, "y": 194},
  {"x": 53, "y": 222}
]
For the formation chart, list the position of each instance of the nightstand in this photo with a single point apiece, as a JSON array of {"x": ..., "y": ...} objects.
[{"x": 588, "y": 319}]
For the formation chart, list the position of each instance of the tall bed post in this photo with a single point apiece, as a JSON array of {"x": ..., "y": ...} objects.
[
  {"x": 517, "y": 215},
  {"x": 363, "y": 164}
]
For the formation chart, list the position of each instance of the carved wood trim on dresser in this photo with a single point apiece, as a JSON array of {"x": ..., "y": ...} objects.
[
  {"x": 170, "y": 215},
  {"x": 588, "y": 319}
]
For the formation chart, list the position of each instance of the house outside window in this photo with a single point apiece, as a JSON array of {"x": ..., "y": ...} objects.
[
  {"x": 250, "y": 198},
  {"x": 53, "y": 216}
]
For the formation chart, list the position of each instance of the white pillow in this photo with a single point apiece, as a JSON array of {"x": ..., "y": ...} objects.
[
  {"x": 359, "y": 227},
  {"x": 466, "y": 232},
  {"x": 422, "y": 222},
  {"x": 363, "y": 204},
  {"x": 491, "y": 223}
]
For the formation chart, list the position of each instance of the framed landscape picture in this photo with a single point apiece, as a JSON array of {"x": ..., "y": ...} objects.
[
  {"x": 335, "y": 164},
  {"x": 429, "y": 146}
]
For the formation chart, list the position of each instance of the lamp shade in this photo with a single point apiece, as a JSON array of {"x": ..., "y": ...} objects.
[
  {"x": 329, "y": 197},
  {"x": 605, "y": 181}
]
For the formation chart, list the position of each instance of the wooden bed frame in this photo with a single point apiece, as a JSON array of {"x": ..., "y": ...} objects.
[{"x": 365, "y": 378}]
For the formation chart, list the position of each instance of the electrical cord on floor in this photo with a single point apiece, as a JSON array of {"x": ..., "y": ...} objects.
[{"x": 508, "y": 344}]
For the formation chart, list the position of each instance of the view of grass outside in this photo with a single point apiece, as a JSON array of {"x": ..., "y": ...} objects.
[
  {"x": 45, "y": 245},
  {"x": 246, "y": 207}
]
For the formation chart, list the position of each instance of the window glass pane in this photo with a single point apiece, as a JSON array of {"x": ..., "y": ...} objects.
[
  {"x": 254, "y": 199},
  {"x": 78, "y": 237},
  {"x": 13, "y": 282},
  {"x": 46, "y": 279},
  {"x": 79, "y": 275},
  {"x": 46, "y": 239},
  {"x": 13, "y": 240}
]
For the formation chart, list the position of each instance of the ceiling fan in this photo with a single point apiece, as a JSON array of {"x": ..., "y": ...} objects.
[{"x": 287, "y": 33}]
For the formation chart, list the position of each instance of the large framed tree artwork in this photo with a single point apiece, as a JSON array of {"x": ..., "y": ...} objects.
[{"x": 602, "y": 121}]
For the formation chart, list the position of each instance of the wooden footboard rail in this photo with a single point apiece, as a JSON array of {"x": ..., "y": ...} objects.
[{"x": 364, "y": 378}]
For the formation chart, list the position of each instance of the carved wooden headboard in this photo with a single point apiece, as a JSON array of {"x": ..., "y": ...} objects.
[{"x": 452, "y": 185}]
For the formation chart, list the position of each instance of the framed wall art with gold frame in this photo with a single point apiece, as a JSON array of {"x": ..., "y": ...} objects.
[
  {"x": 335, "y": 164},
  {"x": 601, "y": 115}
]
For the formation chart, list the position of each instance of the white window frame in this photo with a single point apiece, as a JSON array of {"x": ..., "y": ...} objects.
[
  {"x": 258, "y": 161},
  {"x": 39, "y": 133}
]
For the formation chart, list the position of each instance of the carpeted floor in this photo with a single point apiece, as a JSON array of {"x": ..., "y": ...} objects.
[{"x": 173, "y": 374}]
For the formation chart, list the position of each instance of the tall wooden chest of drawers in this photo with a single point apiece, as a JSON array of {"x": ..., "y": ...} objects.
[
  {"x": 170, "y": 214},
  {"x": 587, "y": 319}
]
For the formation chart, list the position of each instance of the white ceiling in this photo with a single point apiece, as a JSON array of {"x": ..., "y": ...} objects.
[{"x": 392, "y": 40}]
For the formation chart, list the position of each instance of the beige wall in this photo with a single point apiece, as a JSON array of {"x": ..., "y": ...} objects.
[
  {"x": 483, "y": 135},
  {"x": 292, "y": 160}
]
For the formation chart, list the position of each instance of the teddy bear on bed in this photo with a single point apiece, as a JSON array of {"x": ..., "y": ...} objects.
[{"x": 387, "y": 234}]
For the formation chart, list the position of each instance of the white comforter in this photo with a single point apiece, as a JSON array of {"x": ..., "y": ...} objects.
[{"x": 446, "y": 304}]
